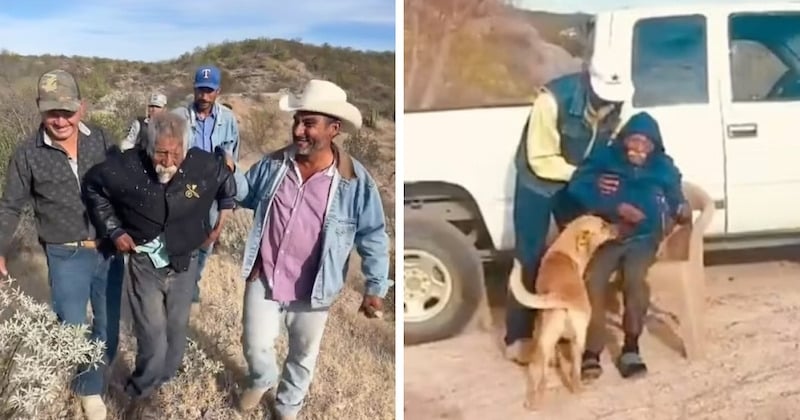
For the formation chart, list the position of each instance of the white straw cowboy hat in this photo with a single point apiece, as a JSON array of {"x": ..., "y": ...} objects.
[{"x": 323, "y": 97}]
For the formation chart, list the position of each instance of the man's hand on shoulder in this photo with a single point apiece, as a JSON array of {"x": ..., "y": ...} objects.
[
  {"x": 372, "y": 306},
  {"x": 684, "y": 214},
  {"x": 608, "y": 184}
]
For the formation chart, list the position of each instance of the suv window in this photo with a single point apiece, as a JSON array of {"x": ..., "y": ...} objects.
[
  {"x": 764, "y": 63},
  {"x": 670, "y": 61}
]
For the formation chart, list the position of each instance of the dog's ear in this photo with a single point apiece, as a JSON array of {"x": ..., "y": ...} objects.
[{"x": 582, "y": 240}]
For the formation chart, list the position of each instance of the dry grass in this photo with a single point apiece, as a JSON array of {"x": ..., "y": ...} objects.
[{"x": 355, "y": 371}]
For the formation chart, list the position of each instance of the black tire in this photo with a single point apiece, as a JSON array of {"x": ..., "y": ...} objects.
[{"x": 463, "y": 264}]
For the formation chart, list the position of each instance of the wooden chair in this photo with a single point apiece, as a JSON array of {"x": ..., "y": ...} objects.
[{"x": 679, "y": 271}]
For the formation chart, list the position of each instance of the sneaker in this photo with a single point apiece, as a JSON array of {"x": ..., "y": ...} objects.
[
  {"x": 93, "y": 407},
  {"x": 631, "y": 365}
]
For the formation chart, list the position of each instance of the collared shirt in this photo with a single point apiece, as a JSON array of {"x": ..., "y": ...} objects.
[
  {"x": 203, "y": 129},
  {"x": 41, "y": 172},
  {"x": 291, "y": 244}
]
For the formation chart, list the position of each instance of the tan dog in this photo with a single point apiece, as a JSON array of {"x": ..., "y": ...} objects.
[{"x": 565, "y": 309}]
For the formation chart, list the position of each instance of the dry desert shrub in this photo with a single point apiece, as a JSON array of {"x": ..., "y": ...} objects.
[{"x": 38, "y": 356}]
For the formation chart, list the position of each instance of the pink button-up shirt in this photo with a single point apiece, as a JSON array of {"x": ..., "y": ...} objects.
[{"x": 292, "y": 242}]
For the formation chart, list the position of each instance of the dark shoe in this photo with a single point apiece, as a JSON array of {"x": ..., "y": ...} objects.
[
  {"x": 590, "y": 366},
  {"x": 630, "y": 364}
]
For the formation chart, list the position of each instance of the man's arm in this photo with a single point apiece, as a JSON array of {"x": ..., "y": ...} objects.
[
  {"x": 372, "y": 242},
  {"x": 130, "y": 140},
  {"x": 673, "y": 191},
  {"x": 99, "y": 206},
  {"x": 584, "y": 189},
  {"x": 235, "y": 135},
  {"x": 16, "y": 194},
  {"x": 543, "y": 141},
  {"x": 248, "y": 184},
  {"x": 226, "y": 193}
]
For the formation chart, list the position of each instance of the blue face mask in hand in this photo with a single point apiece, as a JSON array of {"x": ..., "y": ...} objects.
[{"x": 157, "y": 252}]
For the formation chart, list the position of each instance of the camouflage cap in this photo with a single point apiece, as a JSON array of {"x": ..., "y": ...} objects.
[{"x": 58, "y": 90}]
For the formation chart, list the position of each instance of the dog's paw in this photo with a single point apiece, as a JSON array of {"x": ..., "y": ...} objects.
[{"x": 533, "y": 402}]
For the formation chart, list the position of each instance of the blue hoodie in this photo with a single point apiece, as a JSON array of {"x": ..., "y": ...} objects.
[{"x": 654, "y": 188}]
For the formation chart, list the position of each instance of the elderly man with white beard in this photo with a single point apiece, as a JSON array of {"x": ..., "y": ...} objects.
[{"x": 154, "y": 202}]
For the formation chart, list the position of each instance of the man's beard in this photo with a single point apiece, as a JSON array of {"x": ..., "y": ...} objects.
[
  {"x": 165, "y": 174},
  {"x": 305, "y": 147}
]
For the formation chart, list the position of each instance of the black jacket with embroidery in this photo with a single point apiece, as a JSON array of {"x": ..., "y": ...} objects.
[
  {"x": 125, "y": 196},
  {"x": 39, "y": 174}
]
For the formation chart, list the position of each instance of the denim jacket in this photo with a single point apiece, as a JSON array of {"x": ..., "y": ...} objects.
[{"x": 354, "y": 218}]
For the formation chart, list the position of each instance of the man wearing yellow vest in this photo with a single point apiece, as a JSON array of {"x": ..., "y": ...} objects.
[{"x": 570, "y": 116}]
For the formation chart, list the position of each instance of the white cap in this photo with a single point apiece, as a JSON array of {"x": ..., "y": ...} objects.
[
  {"x": 608, "y": 82},
  {"x": 157, "y": 99}
]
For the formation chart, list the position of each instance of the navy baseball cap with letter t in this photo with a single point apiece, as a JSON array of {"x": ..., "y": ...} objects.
[{"x": 207, "y": 77}]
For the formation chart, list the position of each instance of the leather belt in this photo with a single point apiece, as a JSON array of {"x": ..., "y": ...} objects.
[{"x": 82, "y": 244}]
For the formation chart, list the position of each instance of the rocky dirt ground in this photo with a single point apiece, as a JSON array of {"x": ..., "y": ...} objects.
[{"x": 750, "y": 372}]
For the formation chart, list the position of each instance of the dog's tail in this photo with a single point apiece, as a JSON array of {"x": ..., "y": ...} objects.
[{"x": 528, "y": 299}]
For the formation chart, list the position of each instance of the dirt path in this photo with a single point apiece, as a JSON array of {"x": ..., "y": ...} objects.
[{"x": 751, "y": 372}]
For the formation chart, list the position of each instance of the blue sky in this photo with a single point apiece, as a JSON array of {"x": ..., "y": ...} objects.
[
  {"x": 594, "y": 6},
  {"x": 162, "y": 29}
]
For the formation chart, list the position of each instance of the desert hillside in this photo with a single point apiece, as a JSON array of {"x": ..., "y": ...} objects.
[
  {"x": 474, "y": 52},
  {"x": 357, "y": 353}
]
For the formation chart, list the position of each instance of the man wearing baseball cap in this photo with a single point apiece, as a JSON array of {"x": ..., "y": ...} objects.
[
  {"x": 570, "y": 116},
  {"x": 138, "y": 131},
  {"x": 46, "y": 169},
  {"x": 213, "y": 128}
]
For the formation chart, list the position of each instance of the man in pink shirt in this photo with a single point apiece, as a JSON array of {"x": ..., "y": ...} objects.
[{"x": 313, "y": 204}]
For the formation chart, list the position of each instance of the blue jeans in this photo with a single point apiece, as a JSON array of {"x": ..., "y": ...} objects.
[
  {"x": 80, "y": 275},
  {"x": 262, "y": 324}
]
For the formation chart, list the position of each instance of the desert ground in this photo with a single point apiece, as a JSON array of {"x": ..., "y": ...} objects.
[{"x": 750, "y": 370}]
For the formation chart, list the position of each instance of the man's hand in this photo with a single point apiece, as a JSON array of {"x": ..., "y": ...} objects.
[
  {"x": 3, "y": 269},
  {"x": 608, "y": 184},
  {"x": 629, "y": 213},
  {"x": 212, "y": 237},
  {"x": 124, "y": 243},
  {"x": 229, "y": 162},
  {"x": 372, "y": 307},
  {"x": 684, "y": 214}
]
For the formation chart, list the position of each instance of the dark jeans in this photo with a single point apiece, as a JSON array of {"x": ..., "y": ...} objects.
[
  {"x": 532, "y": 212},
  {"x": 78, "y": 276},
  {"x": 161, "y": 301},
  {"x": 633, "y": 259}
]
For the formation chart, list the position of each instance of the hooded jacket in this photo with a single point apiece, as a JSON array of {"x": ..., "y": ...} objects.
[{"x": 654, "y": 188}]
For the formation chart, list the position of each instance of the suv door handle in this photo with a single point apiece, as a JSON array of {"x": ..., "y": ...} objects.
[{"x": 742, "y": 130}]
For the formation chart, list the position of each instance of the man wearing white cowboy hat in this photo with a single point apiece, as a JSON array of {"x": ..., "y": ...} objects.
[
  {"x": 156, "y": 103},
  {"x": 313, "y": 204},
  {"x": 570, "y": 116}
]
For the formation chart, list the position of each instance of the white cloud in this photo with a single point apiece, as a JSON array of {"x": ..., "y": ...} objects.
[{"x": 157, "y": 29}]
